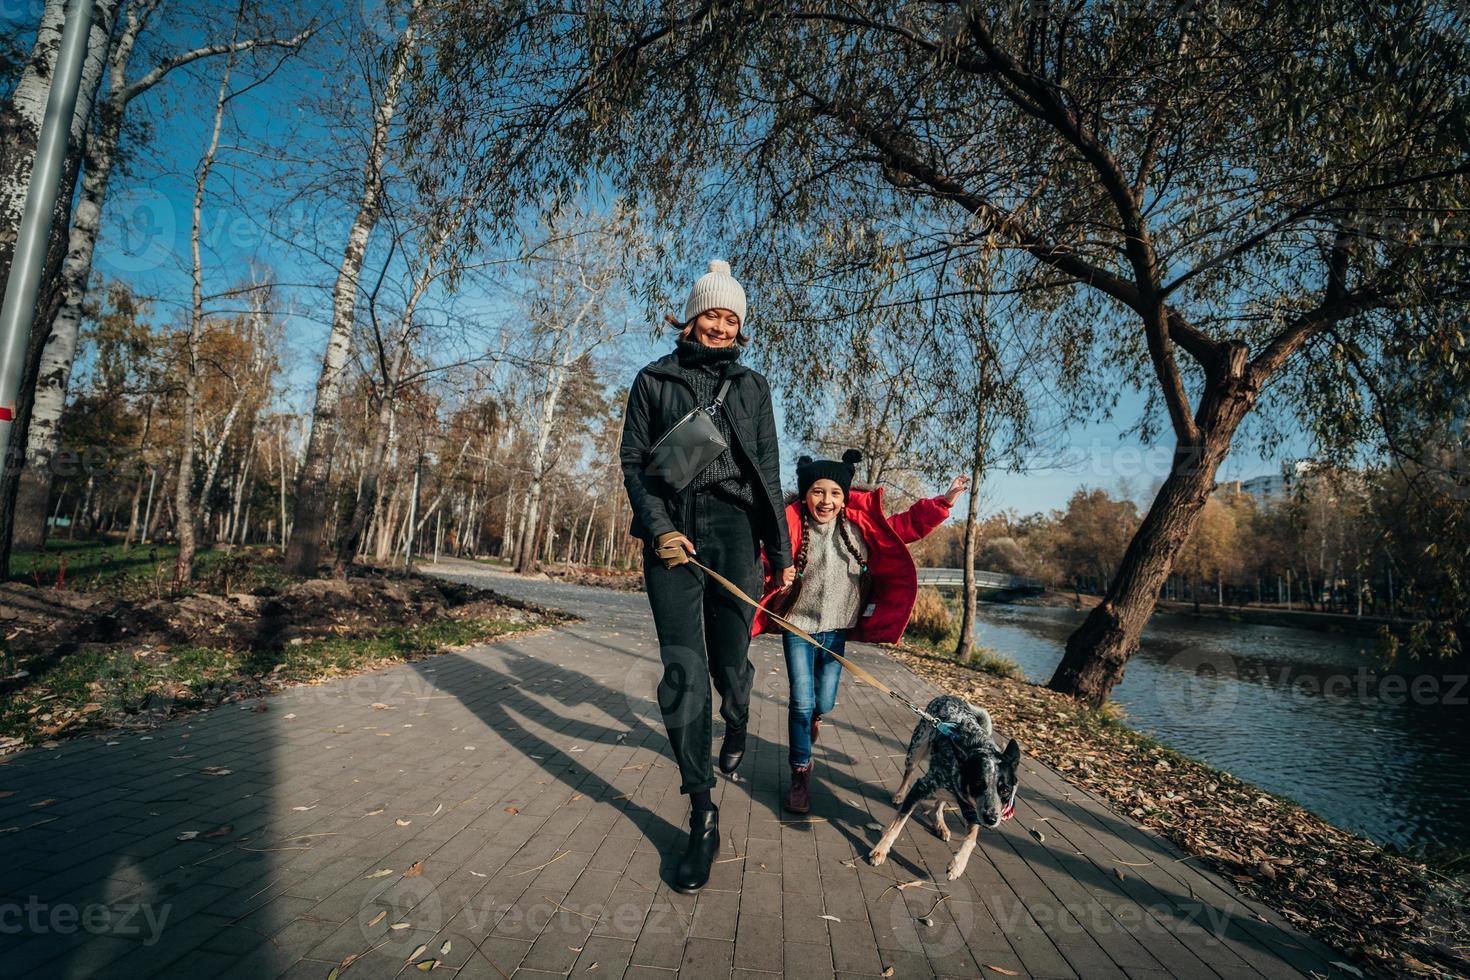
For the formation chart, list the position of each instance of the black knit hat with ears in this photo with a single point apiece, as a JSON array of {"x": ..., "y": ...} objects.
[{"x": 840, "y": 472}]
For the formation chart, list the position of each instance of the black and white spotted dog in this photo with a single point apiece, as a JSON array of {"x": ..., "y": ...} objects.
[{"x": 965, "y": 768}]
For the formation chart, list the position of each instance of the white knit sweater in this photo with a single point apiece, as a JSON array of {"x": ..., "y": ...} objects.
[{"x": 829, "y": 596}]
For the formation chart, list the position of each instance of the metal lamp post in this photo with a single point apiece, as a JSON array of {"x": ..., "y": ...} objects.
[{"x": 19, "y": 310}]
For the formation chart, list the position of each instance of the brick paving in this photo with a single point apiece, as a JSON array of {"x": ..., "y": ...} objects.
[{"x": 529, "y": 781}]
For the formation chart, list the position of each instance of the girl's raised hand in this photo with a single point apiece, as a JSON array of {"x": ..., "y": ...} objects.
[{"x": 957, "y": 487}]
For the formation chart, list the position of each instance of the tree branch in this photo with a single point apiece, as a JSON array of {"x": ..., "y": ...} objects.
[{"x": 208, "y": 51}]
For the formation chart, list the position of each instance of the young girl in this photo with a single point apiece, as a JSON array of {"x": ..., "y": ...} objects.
[{"x": 854, "y": 579}]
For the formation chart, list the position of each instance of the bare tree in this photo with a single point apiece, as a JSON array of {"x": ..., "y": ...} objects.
[
  {"x": 102, "y": 144},
  {"x": 304, "y": 550},
  {"x": 184, "y": 516}
]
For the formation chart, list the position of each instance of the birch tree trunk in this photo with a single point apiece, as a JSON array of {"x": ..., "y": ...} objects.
[
  {"x": 525, "y": 560},
  {"x": 184, "y": 517},
  {"x": 60, "y": 346},
  {"x": 243, "y": 391},
  {"x": 368, "y": 496},
  {"x": 965, "y": 649},
  {"x": 304, "y": 551},
  {"x": 20, "y": 129}
]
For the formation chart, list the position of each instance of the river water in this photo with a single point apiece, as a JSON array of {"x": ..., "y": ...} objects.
[{"x": 1298, "y": 712}]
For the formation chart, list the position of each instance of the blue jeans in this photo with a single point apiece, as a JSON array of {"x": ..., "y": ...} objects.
[{"x": 814, "y": 676}]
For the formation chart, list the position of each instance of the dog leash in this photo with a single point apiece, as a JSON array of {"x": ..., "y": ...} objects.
[{"x": 945, "y": 728}]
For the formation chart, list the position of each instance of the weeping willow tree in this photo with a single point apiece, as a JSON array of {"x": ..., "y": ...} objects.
[{"x": 1248, "y": 211}]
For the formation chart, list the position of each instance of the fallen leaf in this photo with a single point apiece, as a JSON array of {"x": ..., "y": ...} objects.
[
  {"x": 42, "y": 803},
  {"x": 875, "y": 826},
  {"x": 479, "y": 874},
  {"x": 402, "y": 823},
  {"x": 1347, "y": 968},
  {"x": 379, "y": 706},
  {"x": 221, "y": 831},
  {"x": 1001, "y": 969},
  {"x": 416, "y": 869},
  {"x": 444, "y": 950},
  {"x": 303, "y": 809},
  {"x": 887, "y": 973},
  {"x": 427, "y": 965},
  {"x": 512, "y": 809},
  {"x": 423, "y": 948},
  {"x": 380, "y": 873},
  {"x": 377, "y": 918},
  {"x": 831, "y": 918},
  {"x": 188, "y": 835},
  {"x": 373, "y": 813},
  {"x": 216, "y": 771},
  {"x": 1040, "y": 837},
  {"x": 398, "y": 925}
]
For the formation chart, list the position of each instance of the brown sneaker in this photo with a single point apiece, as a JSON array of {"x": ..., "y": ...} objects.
[{"x": 799, "y": 798}]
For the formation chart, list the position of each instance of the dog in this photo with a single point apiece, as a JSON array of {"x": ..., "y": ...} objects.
[{"x": 965, "y": 766}]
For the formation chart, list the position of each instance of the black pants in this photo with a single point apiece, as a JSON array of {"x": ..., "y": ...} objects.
[{"x": 704, "y": 633}]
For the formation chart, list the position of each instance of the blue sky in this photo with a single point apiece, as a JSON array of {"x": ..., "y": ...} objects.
[{"x": 248, "y": 219}]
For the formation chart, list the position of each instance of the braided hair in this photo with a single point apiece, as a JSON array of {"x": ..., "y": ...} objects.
[{"x": 844, "y": 537}]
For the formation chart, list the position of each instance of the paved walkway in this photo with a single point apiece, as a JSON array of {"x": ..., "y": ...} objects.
[{"x": 512, "y": 808}]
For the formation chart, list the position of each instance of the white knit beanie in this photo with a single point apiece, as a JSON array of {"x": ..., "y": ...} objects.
[{"x": 716, "y": 290}]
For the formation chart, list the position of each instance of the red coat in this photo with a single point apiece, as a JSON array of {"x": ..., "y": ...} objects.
[{"x": 895, "y": 580}]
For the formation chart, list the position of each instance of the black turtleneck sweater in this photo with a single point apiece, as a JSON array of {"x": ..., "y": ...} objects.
[{"x": 704, "y": 367}]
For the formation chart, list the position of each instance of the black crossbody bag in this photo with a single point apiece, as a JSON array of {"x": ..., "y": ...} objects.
[{"x": 689, "y": 446}]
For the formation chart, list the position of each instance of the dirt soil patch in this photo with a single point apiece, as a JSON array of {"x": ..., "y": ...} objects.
[
  {"x": 1392, "y": 915},
  {"x": 619, "y": 580},
  {"x": 76, "y": 662}
]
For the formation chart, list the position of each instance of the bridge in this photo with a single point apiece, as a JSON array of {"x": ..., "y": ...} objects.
[{"x": 985, "y": 580}]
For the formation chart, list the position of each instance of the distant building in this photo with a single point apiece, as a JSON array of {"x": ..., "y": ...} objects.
[{"x": 1273, "y": 486}]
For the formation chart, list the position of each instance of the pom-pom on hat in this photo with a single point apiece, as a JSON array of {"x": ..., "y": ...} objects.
[
  {"x": 840, "y": 472},
  {"x": 716, "y": 290}
]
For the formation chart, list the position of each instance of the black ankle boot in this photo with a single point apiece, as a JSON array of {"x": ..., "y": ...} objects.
[
  {"x": 692, "y": 874},
  {"x": 732, "y": 750}
]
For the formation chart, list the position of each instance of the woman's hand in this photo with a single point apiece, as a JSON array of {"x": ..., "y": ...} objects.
[
  {"x": 788, "y": 578},
  {"x": 673, "y": 549},
  {"x": 957, "y": 487}
]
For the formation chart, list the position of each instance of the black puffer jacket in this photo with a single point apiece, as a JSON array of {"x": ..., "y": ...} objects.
[{"x": 660, "y": 396}]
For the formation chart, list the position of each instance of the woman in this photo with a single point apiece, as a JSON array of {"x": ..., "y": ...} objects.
[
  {"x": 855, "y": 579},
  {"x": 725, "y": 517}
]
